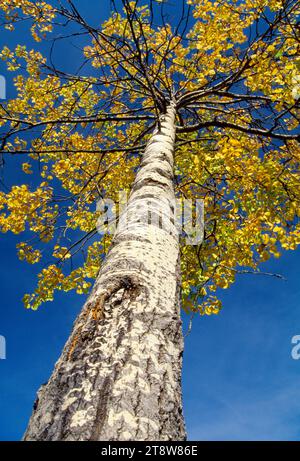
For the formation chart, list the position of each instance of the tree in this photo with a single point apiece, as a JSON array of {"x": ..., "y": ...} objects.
[{"x": 206, "y": 109}]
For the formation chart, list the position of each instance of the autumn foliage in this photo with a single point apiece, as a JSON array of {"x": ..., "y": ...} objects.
[{"x": 233, "y": 70}]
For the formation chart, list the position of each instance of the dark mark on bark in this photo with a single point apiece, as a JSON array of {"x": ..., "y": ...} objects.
[{"x": 101, "y": 413}]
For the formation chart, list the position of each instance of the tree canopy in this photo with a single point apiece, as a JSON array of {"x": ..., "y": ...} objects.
[{"x": 232, "y": 69}]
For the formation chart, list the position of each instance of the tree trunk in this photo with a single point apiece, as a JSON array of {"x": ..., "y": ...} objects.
[{"x": 119, "y": 376}]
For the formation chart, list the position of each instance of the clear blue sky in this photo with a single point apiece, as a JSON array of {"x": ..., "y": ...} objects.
[{"x": 239, "y": 380}]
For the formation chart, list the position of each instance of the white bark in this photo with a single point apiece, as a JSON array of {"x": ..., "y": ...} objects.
[{"x": 119, "y": 376}]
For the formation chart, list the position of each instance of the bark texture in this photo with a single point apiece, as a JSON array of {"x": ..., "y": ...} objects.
[{"x": 119, "y": 376}]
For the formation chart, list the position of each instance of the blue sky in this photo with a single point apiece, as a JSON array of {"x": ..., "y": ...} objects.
[{"x": 239, "y": 380}]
